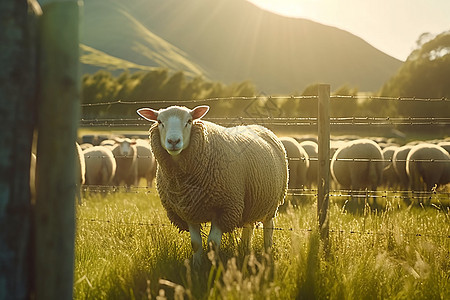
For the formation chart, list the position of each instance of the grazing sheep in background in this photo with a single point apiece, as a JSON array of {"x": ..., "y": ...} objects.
[
  {"x": 146, "y": 162},
  {"x": 313, "y": 153},
  {"x": 361, "y": 173},
  {"x": 427, "y": 165},
  {"x": 84, "y": 146},
  {"x": 231, "y": 177},
  {"x": 399, "y": 163},
  {"x": 298, "y": 162},
  {"x": 125, "y": 154},
  {"x": 33, "y": 178},
  {"x": 445, "y": 145},
  {"x": 108, "y": 143},
  {"x": 80, "y": 171},
  {"x": 100, "y": 165},
  {"x": 390, "y": 177}
]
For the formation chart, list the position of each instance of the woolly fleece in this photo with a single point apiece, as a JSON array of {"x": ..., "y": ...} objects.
[{"x": 234, "y": 175}]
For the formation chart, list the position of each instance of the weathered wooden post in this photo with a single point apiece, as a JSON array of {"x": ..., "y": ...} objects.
[
  {"x": 324, "y": 161},
  {"x": 17, "y": 122},
  {"x": 57, "y": 128}
]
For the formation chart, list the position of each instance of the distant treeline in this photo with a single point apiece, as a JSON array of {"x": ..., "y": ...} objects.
[{"x": 160, "y": 84}]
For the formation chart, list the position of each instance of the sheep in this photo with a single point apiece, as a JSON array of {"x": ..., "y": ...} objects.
[
  {"x": 33, "y": 178},
  {"x": 146, "y": 162},
  {"x": 445, "y": 145},
  {"x": 80, "y": 171},
  {"x": 365, "y": 171},
  {"x": 100, "y": 165},
  {"x": 429, "y": 165},
  {"x": 390, "y": 177},
  {"x": 125, "y": 154},
  {"x": 298, "y": 162},
  {"x": 232, "y": 177},
  {"x": 312, "y": 148},
  {"x": 399, "y": 163}
]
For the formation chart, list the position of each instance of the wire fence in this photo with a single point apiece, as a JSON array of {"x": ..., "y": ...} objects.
[
  {"x": 252, "y": 98},
  {"x": 259, "y": 227},
  {"x": 335, "y": 195},
  {"x": 281, "y": 121},
  {"x": 311, "y": 192}
]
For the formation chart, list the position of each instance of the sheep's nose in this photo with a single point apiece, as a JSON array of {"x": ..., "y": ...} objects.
[{"x": 173, "y": 142}]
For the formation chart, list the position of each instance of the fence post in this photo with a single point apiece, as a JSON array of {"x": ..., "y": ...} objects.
[
  {"x": 58, "y": 117},
  {"x": 17, "y": 122},
  {"x": 324, "y": 161}
]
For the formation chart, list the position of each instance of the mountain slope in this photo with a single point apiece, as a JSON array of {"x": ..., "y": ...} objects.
[
  {"x": 108, "y": 28},
  {"x": 233, "y": 40}
]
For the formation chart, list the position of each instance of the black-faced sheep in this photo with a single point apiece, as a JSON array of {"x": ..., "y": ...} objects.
[
  {"x": 146, "y": 162},
  {"x": 312, "y": 149},
  {"x": 100, "y": 165},
  {"x": 358, "y": 165},
  {"x": 231, "y": 177},
  {"x": 399, "y": 163},
  {"x": 427, "y": 165},
  {"x": 125, "y": 154}
]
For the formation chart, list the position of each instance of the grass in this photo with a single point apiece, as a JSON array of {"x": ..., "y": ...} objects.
[{"x": 126, "y": 248}]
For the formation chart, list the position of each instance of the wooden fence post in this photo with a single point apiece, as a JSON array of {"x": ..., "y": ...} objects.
[
  {"x": 324, "y": 161},
  {"x": 57, "y": 128},
  {"x": 17, "y": 122}
]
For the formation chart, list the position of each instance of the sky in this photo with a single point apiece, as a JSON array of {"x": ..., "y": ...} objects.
[{"x": 392, "y": 26}]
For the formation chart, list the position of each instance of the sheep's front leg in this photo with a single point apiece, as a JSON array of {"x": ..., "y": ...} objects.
[
  {"x": 246, "y": 238},
  {"x": 215, "y": 236},
  {"x": 268, "y": 234},
  {"x": 196, "y": 242}
]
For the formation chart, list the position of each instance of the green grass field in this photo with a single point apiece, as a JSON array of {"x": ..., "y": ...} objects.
[{"x": 126, "y": 248}]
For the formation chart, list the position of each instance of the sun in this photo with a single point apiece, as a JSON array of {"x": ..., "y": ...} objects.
[{"x": 289, "y": 8}]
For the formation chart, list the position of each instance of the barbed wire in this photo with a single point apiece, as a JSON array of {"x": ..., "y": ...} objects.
[
  {"x": 394, "y": 194},
  {"x": 259, "y": 227},
  {"x": 252, "y": 98},
  {"x": 282, "y": 121},
  {"x": 315, "y": 159}
]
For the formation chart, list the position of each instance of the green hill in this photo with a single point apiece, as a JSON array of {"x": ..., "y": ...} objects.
[
  {"x": 110, "y": 30},
  {"x": 232, "y": 41}
]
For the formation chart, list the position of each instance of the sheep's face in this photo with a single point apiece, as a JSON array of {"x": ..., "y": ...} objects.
[
  {"x": 174, "y": 124},
  {"x": 125, "y": 146}
]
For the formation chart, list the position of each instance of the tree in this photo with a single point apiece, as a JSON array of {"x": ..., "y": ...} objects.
[{"x": 425, "y": 74}]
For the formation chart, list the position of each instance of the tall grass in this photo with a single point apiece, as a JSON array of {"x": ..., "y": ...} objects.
[{"x": 126, "y": 248}]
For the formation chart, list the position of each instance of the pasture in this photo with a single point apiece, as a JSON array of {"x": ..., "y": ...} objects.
[{"x": 126, "y": 248}]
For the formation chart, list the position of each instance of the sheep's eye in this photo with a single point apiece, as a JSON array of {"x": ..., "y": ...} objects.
[
  {"x": 160, "y": 123},
  {"x": 188, "y": 122}
]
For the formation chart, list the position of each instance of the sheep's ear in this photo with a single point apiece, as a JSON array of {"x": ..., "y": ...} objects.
[
  {"x": 199, "y": 111},
  {"x": 148, "y": 114}
]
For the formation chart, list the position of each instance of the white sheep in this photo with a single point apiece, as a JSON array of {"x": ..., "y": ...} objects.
[
  {"x": 429, "y": 165},
  {"x": 312, "y": 148},
  {"x": 100, "y": 165},
  {"x": 358, "y": 165},
  {"x": 445, "y": 145},
  {"x": 80, "y": 171},
  {"x": 390, "y": 177},
  {"x": 146, "y": 162},
  {"x": 125, "y": 154},
  {"x": 298, "y": 162},
  {"x": 399, "y": 163},
  {"x": 231, "y": 177}
]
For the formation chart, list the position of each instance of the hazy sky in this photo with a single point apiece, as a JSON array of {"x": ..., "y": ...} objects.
[{"x": 393, "y": 26}]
